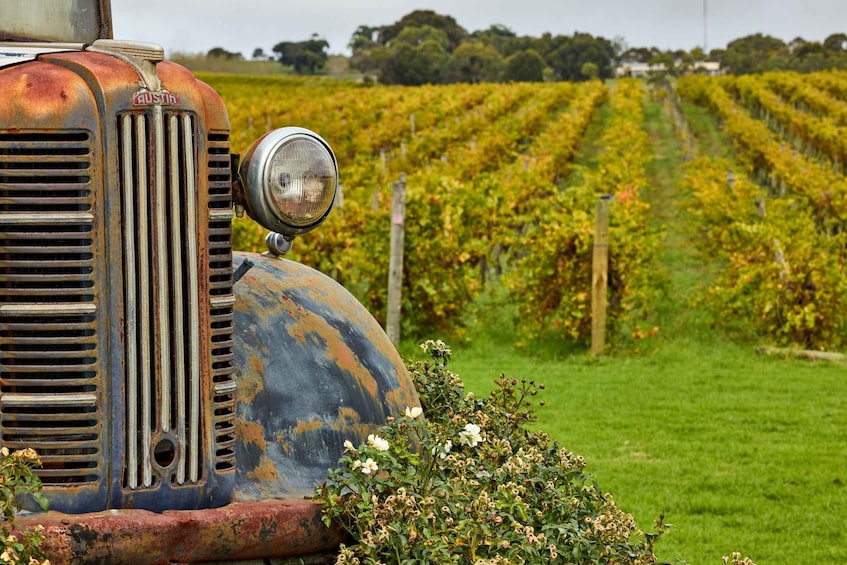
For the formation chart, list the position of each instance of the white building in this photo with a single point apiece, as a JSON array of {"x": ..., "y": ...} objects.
[{"x": 642, "y": 70}]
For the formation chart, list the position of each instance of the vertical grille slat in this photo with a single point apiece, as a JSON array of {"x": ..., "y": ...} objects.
[
  {"x": 179, "y": 368},
  {"x": 50, "y": 388},
  {"x": 163, "y": 298},
  {"x": 130, "y": 300},
  {"x": 194, "y": 310}
]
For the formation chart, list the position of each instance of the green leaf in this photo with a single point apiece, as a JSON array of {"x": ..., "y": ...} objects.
[{"x": 41, "y": 500}]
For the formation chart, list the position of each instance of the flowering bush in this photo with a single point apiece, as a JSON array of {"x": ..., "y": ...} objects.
[
  {"x": 16, "y": 480},
  {"x": 470, "y": 484},
  {"x": 736, "y": 559}
]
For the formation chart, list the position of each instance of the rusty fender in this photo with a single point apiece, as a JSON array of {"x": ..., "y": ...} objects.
[
  {"x": 315, "y": 369},
  {"x": 237, "y": 532}
]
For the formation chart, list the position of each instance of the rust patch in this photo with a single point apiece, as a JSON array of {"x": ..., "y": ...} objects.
[
  {"x": 348, "y": 425},
  {"x": 309, "y": 426},
  {"x": 348, "y": 416},
  {"x": 251, "y": 432},
  {"x": 39, "y": 95},
  {"x": 266, "y": 471},
  {"x": 336, "y": 350},
  {"x": 236, "y": 532},
  {"x": 251, "y": 383},
  {"x": 350, "y": 422}
]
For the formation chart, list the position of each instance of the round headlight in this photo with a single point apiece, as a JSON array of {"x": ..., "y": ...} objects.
[{"x": 289, "y": 177}]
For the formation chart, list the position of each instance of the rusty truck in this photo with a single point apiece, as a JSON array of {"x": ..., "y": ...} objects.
[{"x": 185, "y": 399}]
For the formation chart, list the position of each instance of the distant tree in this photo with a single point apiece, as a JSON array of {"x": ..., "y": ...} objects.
[
  {"x": 414, "y": 64},
  {"x": 809, "y": 48},
  {"x": 419, "y": 18},
  {"x": 573, "y": 52},
  {"x": 697, "y": 54},
  {"x": 416, "y": 36},
  {"x": 498, "y": 36},
  {"x": 363, "y": 38},
  {"x": 368, "y": 56},
  {"x": 717, "y": 54},
  {"x": 372, "y": 60},
  {"x": 545, "y": 44},
  {"x": 259, "y": 53},
  {"x": 812, "y": 56},
  {"x": 751, "y": 53},
  {"x": 305, "y": 56},
  {"x": 525, "y": 66},
  {"x": 417, "y": 55},
  {"x": 221, "y": 53},
  {"x": 836, "y": 43},
  {"x": 665, "y": 64},
  {"x": 589, "y": 70},
  {"x": 639, "y": 54},
  {"x": 474, "y": 62}
]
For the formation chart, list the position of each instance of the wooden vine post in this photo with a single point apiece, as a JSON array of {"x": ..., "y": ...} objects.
[
  {"x": 600, "y": 275},
  {"x": 395, "y": 266}
]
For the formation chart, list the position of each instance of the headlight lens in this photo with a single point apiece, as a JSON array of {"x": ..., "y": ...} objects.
[{"x": 290, "y": 177}]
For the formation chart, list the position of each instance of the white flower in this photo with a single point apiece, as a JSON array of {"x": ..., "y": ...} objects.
[
  {"x": 438, "y": 346},
  {"x": 378, "y": 443},
  {"x": 445, "y": 449},
  {"x": 369, "y": 466},
  {"x": 413, "y": 412},
  {"x": 470, "y": 435},
  {"x": 348, "y": 445}
]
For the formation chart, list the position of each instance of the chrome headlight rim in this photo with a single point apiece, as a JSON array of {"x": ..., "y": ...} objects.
[{"x": 254, "y": 173}]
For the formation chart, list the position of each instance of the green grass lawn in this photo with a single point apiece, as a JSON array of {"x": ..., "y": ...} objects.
[{"x": 740, "y": 452}]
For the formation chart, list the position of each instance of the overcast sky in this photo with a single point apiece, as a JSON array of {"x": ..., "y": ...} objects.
[{"x": 195, "y": 26}]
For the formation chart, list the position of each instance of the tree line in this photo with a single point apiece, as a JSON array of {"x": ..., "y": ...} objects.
[{"x": 424, "y": 47}]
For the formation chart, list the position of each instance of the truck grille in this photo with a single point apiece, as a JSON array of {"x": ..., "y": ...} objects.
[
  {"x": 167, "y": 303},
  {"x": 49, "y": 301},
  {"x": 222, "y": 300}
]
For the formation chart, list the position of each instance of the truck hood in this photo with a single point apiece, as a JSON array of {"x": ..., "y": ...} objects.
[{"x": 16, "y": 53}]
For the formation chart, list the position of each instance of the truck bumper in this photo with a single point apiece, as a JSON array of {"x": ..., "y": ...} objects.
[{"x": 240, "y": 531}]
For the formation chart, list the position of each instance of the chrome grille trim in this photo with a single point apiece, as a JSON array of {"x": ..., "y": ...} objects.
[
  {"x": 161, "y": 254},
  {"x": 194, "y": 284},
  {"x": 220, "y": 215},
  {"x": 35, "y": 219},
  {"x": 162, "y": 307},
  {"x": 222, "y": 302},
  {"x": 54, "y": 400},
  {"x": 58, "y": 309},
  {"x": 130, "y": 298},
  {"x": 225, "y": 388}
]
